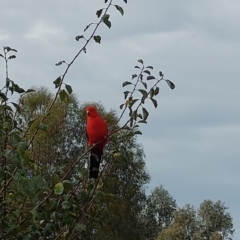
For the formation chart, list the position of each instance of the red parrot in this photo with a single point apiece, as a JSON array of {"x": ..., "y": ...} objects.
[{"x": 97, "y": 132}]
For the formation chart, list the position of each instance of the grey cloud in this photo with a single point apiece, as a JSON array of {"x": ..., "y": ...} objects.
[{"x": 192, "y": 139}]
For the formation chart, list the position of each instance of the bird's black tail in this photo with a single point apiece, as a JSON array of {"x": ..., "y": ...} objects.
[{"x": 95, "y": 159}]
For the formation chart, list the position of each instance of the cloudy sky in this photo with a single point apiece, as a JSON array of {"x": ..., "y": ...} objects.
[{"x": 192, "y": 140}]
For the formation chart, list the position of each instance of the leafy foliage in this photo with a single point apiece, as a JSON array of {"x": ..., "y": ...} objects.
[
  {"x": 135, "y": 102},
  {"x": 214, "y": 219},
  {"x": 159, "y": 212},
  {"x": 210, "y": 221},
  {"x": 46, "y": 178},
  {"x": 49, "y": 197}
]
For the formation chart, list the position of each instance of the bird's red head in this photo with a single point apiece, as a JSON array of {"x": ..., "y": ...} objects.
[{"x": 91, "y": 111}]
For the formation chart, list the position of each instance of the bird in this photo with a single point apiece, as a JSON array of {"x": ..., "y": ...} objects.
[{"x": 97, "y": 136}]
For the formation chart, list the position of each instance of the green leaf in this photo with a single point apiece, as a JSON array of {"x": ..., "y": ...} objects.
[
  {"x": 6, "y": 125},
  {"x": 144, "y": 93},
  {"x": 8, "y": 82},
  {"x": 16, "y": 106},
  {"x": 145, "y": 114},
  {"x": 125, "y": 1},
  {"x": 160, "y": 74},
  {"x": 78, "y": 37},
  {"x": 91, "y": 186},
  {"x": 142, "y": 121},
  {"x": 22, "y": 146},
  {"x": 131, "y": 122},
  {"x": 170, "y": 84},
  {"x": 20, "y": 90},
  {"x": 23, "y": 152},
  {"x": 151, "y": 67},
  {"x": 119, "y": 9},
  {"x": 143, "y": 100},
  {"x": 127, "y": 127},
  {"x": 57, "y": 82},
  {"x": 105, "y": 19},
  {"x": 134, "y": 114},
  {"x": 100, "y": 184},
  {"x": 80, "y": 227},
  {"x": 151, "y": 92},
  {"x": 55, "y": 178},
  {"x": 11, "y": 57},
  {"x": 9, "y": 49},
  {"x": 43, "y": 127},
  {"x": 2, "y": 174},
  {"x": 11, "y": 89},
  {"x": 1, "y": 55},
  {"x": 134, "y": 76},
  {"x": 138, "y": 132},
  {"x": 32, "y": 121},
  {"x": 3, "y": 96},
  {"x": 87, "y": 27},
  {"x": 16, "y": 88},
  {"x": 97, "y": 39},
  {"x": 126, "y": 83},
  {"x": 69, "y": 88},
  {"x": 99, "y": 12},
  {"x": 131, "y": 102},
  {"x": 144, "y": 84},
  {"x": 53, "y": 216},
  {"x": 154, "y": 102},
  {"x": 63, "y": 95},
  {"x": 126, "y": 94},
  {"x": 47, "y": 230},
  {"x": 58, "y": 188},
  {"x": 30, "y": 90},
  {"x": 136, "y": 67},
  {"x": 34, "y": 212},
  {"x": 6, "y": 107},
  {"x": 140, "y": 60},
  {"x": 150, "y": 77},
  {"x": 147, "y": 71},
  {"x": 84, "y": 172},
  {"x": 67, "y": 184},
  {"x": 121, "y": 106},
  {"x": 15, "y": 135},
  {"x": 66, "y": 205},
  {"x": 59, "y": 63},
  {"x": 156, "y": 91},
  {"x": 19, "y": 236},
  {"x": 14, "y": 123}
]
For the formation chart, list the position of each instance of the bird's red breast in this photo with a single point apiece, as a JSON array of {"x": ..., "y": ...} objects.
[{"x": 96, "y": 128}]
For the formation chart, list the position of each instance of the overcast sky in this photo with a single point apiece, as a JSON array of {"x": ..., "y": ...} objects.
[{"x": 192, "y": 140}]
